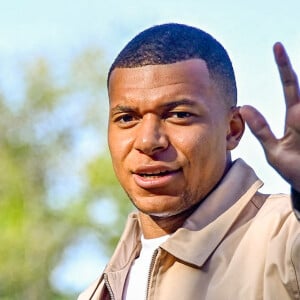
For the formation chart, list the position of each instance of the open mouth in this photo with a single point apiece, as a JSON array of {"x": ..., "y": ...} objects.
[
  {"x": 155, "y": 175},
  {"x": 156, "y": 178}
]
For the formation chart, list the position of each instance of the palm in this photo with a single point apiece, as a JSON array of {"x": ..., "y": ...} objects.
[{"x": 284, "y": 153}]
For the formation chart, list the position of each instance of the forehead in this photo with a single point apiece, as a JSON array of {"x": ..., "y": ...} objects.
[{"x": 192, "y": 72}]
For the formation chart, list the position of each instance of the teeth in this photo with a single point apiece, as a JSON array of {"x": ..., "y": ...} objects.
[{"x": 154, "y": 174}]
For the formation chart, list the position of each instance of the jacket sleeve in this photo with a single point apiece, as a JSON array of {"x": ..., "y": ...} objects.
[{"x": 295, "y": 196}]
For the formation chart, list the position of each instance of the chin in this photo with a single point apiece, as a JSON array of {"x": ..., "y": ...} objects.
[
  {"x": 155, "y": 212},
  {"x": 165, "y": 213},
  {"x": 162, "y": 215},
  {"x": 176, "y": 206}
]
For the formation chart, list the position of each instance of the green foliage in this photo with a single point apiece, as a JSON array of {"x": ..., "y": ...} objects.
[
  {"x": 48, "y": 181},
  {"x": 104, "y": 187}
]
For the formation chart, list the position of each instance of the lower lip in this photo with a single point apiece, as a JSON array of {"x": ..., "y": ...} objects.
[{"x": 155, "y": 182}]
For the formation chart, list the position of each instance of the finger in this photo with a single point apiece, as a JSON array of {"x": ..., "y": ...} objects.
[
  {"x": 259, "y": 127},
  {"x": 293, "y": 118},
  {"x": 288, "y": 76}
]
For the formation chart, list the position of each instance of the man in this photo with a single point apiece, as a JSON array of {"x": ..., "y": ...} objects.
[{"x": 202, "y": 230}]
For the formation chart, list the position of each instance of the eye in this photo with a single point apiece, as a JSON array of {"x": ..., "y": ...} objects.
[
  {"x": 180, "y": 114},
  {"x": 181, "y": 117},
  {"x": 125, "y": 118}
]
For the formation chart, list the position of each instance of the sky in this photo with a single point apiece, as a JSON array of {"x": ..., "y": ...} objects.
[{"x": 247, "y": 29}]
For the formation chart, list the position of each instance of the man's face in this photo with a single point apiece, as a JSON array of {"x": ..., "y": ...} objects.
[{"x": 167, "y": 135}]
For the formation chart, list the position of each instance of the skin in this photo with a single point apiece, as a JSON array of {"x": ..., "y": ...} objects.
[
  {"x": 283, "y": 154},
  {"x": 170, "y": 135},
  {"x": 158, "y": 140}
]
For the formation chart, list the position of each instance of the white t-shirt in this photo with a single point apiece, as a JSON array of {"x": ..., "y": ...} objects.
[{"x": 136, "y": 281}]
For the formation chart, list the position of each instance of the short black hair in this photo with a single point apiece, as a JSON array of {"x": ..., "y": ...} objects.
[{"x": 171, "y": 43}]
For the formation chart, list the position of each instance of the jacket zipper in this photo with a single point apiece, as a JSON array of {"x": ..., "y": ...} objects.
[
  {"x": 150, "y": 271},
  {"x": 110, "y": 291}
]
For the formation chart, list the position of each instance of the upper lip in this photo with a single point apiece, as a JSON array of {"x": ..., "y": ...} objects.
[{"x": 154, "y": 169}]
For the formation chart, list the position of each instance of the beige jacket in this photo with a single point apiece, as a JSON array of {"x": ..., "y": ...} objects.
[{"x": 239, "y": 244}]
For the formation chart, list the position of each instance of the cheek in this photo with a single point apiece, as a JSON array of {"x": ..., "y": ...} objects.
[
  {"x": 119, "y": 145},
  {"x": 206, "y": 152},
  {"x": 195, "y": 145},
  {"x": 206, "y": 166}
]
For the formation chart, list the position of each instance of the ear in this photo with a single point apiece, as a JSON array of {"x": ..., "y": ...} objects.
[{"x": 236, "y": 128}]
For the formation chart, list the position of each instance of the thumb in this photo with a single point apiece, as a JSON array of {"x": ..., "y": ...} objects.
[{"x": 259, "y": 127}]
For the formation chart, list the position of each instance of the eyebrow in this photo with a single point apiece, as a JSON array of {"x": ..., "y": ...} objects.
[
  {"x": 173, "y": 104},
  {"x": 165, "y": 106},
  {"x": 122, "y": 108}
]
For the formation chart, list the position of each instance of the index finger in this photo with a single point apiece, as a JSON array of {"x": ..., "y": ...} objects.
[{"x": 288, "y": 76}]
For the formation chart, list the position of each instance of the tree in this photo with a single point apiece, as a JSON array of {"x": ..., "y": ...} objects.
[{"x": 51, "y": 171}]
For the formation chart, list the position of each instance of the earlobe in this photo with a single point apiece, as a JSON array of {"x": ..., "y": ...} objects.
[{"x": 236, "y": 128}]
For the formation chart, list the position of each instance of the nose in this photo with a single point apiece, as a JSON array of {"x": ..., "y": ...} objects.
[{"x": 151, "y": 137}]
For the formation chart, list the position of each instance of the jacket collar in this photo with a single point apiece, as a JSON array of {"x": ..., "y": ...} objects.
[
  {"x": 207, "y": 226},
  {"x": 128, "y": 247}
]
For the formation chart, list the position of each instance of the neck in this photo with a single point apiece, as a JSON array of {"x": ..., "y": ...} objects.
[{"x": 154, "y": 227}]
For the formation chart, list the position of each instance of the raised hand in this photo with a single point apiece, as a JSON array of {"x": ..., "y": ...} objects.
[{"x": 283, "y": 153}]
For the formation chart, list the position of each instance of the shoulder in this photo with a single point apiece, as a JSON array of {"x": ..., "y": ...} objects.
[
  {"x": 277, "y": 217},
  {"x": 277, "y": 205}
]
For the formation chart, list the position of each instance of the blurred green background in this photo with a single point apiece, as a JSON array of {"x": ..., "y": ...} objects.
[
  {"x": 51, "y": 184},
  {"x": 61, "y": 208}
]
